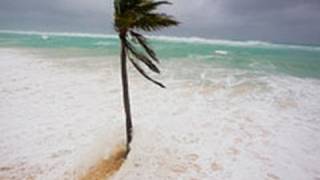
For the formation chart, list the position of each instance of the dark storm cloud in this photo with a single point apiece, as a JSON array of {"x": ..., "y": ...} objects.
[
  {"x": 58, "y": 15},
  {"x": 294, "y": 21}
]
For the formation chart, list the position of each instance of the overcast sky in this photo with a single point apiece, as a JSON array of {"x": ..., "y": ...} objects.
[{"x": 291, "y": 21}]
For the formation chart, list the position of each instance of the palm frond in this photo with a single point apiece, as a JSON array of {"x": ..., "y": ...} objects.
[
  {"x": 144, "y": 74},
  {"x": 132, "y": 15},
  {"x": 143, "y": 58},
  {"x": 149, "y": 6},
  {"x": 154, "y": 22},
  {"x": 138, "y": 14},
  {"x": 143, "y": 42}
]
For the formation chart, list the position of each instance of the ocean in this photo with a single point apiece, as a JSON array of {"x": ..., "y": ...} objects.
[
  {"x": 281, "y": 59},
  {"x": 231, "y": 109}
]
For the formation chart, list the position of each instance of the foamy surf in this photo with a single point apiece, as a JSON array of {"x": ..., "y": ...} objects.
[
  {"x": 61, "y": 118},
  {"x": 47, "y": 130}
]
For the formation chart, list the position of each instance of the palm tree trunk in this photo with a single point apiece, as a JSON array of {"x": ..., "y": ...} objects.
[{"x": 125, "y": 91}]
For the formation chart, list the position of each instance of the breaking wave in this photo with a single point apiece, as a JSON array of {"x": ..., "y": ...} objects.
[{"x": 199, "y": 40}]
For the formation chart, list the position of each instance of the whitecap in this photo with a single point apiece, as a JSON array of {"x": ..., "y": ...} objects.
[
  {"x": 221, "y": 52},
  {"x": 45, "y": 37},
  {"x": 104, "y": 43}
]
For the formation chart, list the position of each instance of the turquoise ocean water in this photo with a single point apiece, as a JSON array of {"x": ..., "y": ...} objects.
[{"x": 296, "y": 60}]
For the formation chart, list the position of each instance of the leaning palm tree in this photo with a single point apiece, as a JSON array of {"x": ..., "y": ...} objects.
[{"x": 131, "y": 17}]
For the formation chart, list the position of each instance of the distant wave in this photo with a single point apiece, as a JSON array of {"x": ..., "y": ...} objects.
[
  {"x": 233, "y": 43},
  {"x": 262, "y": 44},
  {"x": 67, "y": 34}
]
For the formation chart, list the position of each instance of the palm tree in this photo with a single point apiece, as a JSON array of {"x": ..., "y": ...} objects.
[{"x": 130, "y": 17}]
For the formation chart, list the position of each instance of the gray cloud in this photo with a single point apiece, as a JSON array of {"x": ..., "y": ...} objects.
[{"x": 294, "y": 21}]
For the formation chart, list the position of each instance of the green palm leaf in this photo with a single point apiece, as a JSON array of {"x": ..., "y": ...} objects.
[
  {"x": 145, "y": 45},
  {"x": 154, "y": 22},
  {"x": 144, "y": 74},
  {"x": 133, "y": 15},
  {"x": 142, "y": 57},
  {"x": 151, "y": 6}
]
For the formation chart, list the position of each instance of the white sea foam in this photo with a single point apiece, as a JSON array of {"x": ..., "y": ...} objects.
[
  {"x": 46, "y": 129},
  {"x": 45, "y": 37},
  {"x": 221, "y": 52},
  {"x": 105, "y": 43},
  {"x": 57, "y": 117}
]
